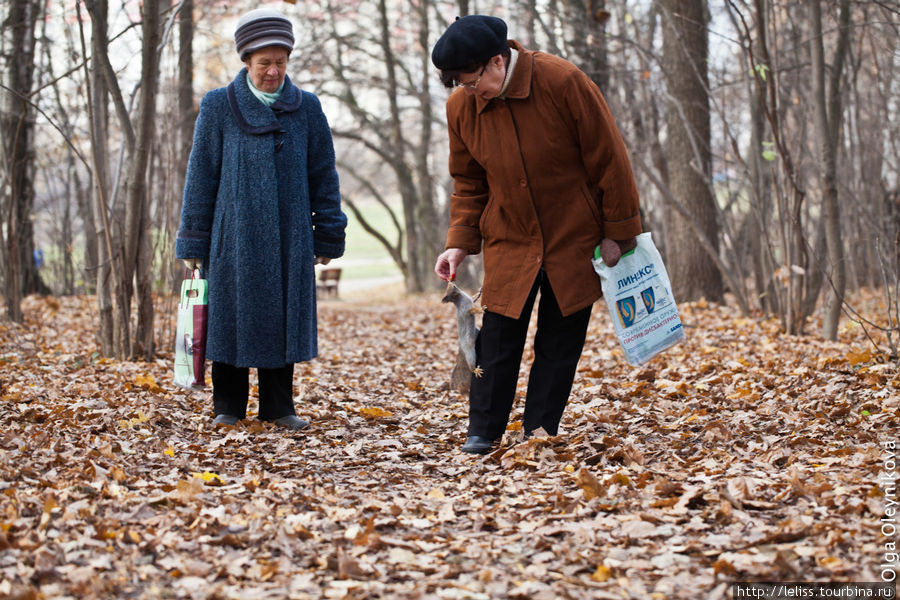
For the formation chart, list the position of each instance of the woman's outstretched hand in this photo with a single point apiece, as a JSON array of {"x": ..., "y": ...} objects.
[{"x": 447, "y": 262}]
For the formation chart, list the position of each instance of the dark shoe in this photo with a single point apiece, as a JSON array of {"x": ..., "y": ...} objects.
[
  {"x": 292, "y": 422},
  {"x": 225, "y": 420},
  {"x": 477, "y": 445}
]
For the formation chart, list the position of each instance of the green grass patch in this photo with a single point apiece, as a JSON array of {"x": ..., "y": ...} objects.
[
  {"x": 362, "y": 246},
  {"x": 369, "y": 271}
]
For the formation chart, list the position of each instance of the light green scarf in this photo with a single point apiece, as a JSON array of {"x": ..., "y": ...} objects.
[{"x": 267, "y": 98}]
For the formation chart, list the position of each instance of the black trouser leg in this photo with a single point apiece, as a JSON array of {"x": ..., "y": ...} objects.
[
  {"x": 276, "y": 393},
  {"x": 230, "y": 389},
  {"x": 499, "y": 353},
  {"x": 558, "y": 344}
]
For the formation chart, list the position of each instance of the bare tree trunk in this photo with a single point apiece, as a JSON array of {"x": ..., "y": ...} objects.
[
  {"x": 588, "y": 19},
  {"x": 433, "y": 226},
  {"x": 137, "y": 222},
  {"x": 761, "y": 180},
  {"x": 112, "y": 271},
  {"x": 67, "y": 242},
  {"x": 398, "y": 134},
  {"x": 414, "y": 279},
  {"x": 17, "y": 128},
  {"x": 422, "y": 238},
  {"x": 98, "y": 111},
  {"x": 788, "y": 244},
  {"x": 187, "y": 115},
  {"x": 873, "y": 238},
  {"x": 815, "y": 273},
  {"x": 685, "y": 54},
  {"x": 760, "y": 252},
  {"x": 826, "y": 128},
  {"x": 637, "y": 96},
  {"x": 32, "y": 281},
  {"x": 74, "y": 194},
  {"x": 128, "y": 255},
  {"x": 528, "y": 26},
  {"x": 82, "y": 197}
]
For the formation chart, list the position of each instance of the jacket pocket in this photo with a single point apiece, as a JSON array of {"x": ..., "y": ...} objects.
[
  {"x": 218, "y": 237},
  {"x": 592, "y": 206},
  {"x": 485, "y": 215}
]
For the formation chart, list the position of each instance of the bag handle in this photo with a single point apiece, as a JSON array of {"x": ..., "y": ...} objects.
[{"x": 191, "y": 292}]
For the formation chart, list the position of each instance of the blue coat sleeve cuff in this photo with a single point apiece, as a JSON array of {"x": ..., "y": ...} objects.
[
  {"x": 192, "y": 244},
  {"x": 328, "y": 246}
]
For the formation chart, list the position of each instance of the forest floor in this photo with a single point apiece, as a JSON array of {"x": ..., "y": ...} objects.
[{"x": 741, "y": 454}]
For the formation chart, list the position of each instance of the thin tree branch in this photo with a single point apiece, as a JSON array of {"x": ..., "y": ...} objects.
[{"x": 50, "y": 120}]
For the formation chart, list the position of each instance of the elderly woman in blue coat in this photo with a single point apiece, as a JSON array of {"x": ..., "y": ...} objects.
[{"x": 261, "y": 208}]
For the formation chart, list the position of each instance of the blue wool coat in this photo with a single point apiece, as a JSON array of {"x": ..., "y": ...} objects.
[{"x": 261, "y": 201}]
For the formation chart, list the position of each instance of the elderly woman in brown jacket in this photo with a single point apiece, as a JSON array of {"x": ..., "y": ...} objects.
[{"x": 541, "y": 176}]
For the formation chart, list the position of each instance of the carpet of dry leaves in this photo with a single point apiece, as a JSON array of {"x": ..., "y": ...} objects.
[{"x": 741, "y": 454}]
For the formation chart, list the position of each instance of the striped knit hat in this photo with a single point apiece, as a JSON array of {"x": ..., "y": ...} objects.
[{"x": 260, "y": 28}]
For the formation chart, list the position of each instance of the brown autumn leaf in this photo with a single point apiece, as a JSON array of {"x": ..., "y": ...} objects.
[{"x": 589, "y": 484}]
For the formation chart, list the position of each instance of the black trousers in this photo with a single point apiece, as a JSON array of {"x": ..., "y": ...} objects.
[
  {"x": 231, "y": 390},
  {"x": 558, "y": 344}
]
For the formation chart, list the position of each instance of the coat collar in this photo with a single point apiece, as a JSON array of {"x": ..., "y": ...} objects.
[
  {"x": 254, "y": 117},
  {"x": 520, "y": 85}
]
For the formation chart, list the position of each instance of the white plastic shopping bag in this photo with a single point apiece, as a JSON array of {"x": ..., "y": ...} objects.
[
  {"x": 639, "y": 297},
  {"x": 190, "y": 333}
]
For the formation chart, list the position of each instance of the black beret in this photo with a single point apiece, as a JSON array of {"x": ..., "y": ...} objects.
[{"x": 470, "y": 39}]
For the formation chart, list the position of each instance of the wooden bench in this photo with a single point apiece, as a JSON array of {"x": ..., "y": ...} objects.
[{"x": 327, "y": 286}]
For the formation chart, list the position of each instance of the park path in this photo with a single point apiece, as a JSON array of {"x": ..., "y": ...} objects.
[{"x": 740, "y": 454}]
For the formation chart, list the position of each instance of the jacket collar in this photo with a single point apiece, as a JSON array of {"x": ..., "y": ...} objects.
[
  {"x": 254, "y": 117},
  {"x": 520, "y": 84}
]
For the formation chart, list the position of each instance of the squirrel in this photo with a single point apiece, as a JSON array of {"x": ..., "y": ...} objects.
[{"x": 461, "y": 377}]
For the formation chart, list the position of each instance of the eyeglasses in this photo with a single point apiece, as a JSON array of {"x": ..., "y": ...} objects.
[{"x": 472, "y": 84}]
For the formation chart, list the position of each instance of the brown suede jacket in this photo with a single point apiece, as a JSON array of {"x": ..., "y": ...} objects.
[{"x": 540, "y": 177}]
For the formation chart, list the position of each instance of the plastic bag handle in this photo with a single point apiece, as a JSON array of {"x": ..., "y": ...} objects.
[{"x": 191, "y": 292}]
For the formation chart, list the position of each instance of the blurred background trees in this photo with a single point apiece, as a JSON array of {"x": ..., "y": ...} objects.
[{"x": 763, "y": 135}]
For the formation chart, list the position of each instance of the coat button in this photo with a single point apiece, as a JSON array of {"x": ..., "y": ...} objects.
[{"x": 523, "y": 183}]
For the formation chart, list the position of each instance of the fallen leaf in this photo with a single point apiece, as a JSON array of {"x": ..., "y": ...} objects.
[{"x": 589, "y": 484}]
